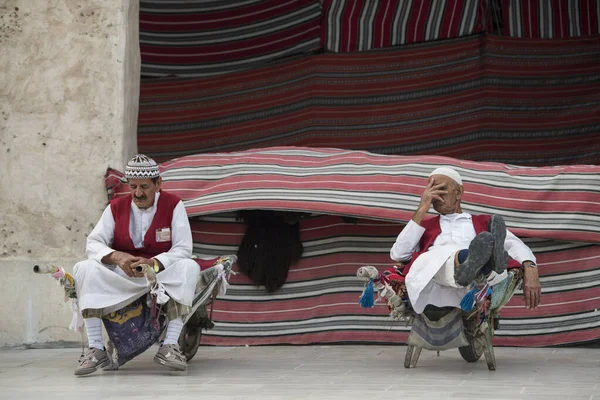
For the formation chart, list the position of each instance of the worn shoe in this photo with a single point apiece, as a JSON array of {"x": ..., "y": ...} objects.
[
  {"x": 480, "y": 251},
  {"x": 499, "y": 258},
  {"x": 91, "y": 360},
  {"x": 171, "y": 357}
]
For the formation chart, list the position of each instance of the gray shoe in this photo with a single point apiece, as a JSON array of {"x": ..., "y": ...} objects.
[
  {"x": 480, "y": 251},
  {"x": 171, "y": 357},
  {"x": 91, "y": 360},
  {"x": 499, "y": 258}
]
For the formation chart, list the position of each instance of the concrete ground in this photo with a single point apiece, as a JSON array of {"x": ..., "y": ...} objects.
[{"x": 309, "y": 372}]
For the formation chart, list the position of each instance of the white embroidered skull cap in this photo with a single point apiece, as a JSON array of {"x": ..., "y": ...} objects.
[
  {"x": 449, "y": 172},
  {"x": 141, "y": 167}
]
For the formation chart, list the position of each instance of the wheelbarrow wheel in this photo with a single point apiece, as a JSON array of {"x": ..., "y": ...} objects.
[
  {"x": 189, "y": 341},
  {"x": 474, "y": 350}
]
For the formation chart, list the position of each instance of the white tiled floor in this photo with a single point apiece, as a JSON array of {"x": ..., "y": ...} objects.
[{"x": 309, "y": 372}]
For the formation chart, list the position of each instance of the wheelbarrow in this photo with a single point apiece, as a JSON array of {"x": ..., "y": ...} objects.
[
  {"x": 131, "y": 333},
  {"x": 444, "y": 328}
]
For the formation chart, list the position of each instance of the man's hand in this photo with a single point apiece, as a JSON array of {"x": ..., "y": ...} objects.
[
  {"x": 125, "y": 261},
  {"x": 432, "y": 192},
  {"x": 532, "y": 289},
  {"x": 141, "y": 261}
]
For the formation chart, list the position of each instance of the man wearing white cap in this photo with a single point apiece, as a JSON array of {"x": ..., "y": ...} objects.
[
  {"x": 447, "y": 252},
  {"x": 150, "y": 227}
]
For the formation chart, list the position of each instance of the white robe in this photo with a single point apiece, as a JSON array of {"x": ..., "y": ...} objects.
[
  {"x": 431, "y": 277},
  {"x": 102, "y": 286}
]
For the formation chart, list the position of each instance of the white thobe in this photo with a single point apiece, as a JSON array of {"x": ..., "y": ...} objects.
[
  {"x": 102, "y": 286},
  {"x": 430, "y": 279}
]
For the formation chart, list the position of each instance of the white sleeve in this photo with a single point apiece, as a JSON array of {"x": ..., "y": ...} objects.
[
  {"x": 517, "y": 249},
  {"x": 99, "y": 241},
  {"x": 407, "y": 242},
  {"x": 181, "y": 238}
]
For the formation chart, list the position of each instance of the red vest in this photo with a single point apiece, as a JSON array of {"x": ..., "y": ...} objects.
[
  {"x": 121, "y": 211},
  {"x": 433, "y": 230}
]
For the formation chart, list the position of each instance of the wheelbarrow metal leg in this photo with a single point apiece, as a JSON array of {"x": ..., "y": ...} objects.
[
  {"x": 412, "y": 356},
  {"x": 488, "y": 348}
]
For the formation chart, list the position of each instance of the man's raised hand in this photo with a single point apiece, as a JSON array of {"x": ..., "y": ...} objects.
[{"x": 432, "y": 192}]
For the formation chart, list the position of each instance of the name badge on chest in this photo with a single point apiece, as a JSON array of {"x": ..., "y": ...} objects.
[{"x": 163, "y": 235}]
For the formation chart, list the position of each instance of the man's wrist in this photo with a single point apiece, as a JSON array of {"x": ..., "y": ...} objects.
[
  {"x": 419, "y": 215},
  {"x": 423, "y": 208},
  {"x": 111, "y": 258},
  {"x": 529, "y": 263}
]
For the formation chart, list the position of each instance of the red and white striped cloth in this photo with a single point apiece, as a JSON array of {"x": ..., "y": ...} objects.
[
  {"x": 555, "y": 210},
  {"x": 319, "y": 302},
  {"x": 560, "y": 202}
]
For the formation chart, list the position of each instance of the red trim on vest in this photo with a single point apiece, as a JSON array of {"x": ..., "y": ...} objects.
[
  {"x": 433, "y": 230},
  {"x": 121, "y": 210}
]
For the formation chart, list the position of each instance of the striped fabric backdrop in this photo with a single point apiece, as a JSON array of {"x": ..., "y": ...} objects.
[
  {"x": 551, "y": 19},
  {"x": 319, "y": 302},
  {"x": 360, "y": 25},
  {"x": 516, "y": 101},
  {"x": 206, "y": 38},
  {"x": 555, "y": 209},
  {"x": 200, "y": 38}
]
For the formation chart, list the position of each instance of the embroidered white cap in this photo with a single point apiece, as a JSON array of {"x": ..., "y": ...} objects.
[
  {"x": 141, "y": 167},
  {"x": 449, "y": 172}
]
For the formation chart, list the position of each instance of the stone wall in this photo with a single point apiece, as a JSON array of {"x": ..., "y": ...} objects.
[{"x": 69, "y": 90}]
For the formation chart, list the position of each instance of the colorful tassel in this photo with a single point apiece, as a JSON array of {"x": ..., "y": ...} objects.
[
  {"x": 468, "y": 302},
  {"x": 367, "y": 299}
]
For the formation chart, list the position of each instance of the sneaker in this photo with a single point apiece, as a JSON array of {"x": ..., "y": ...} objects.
[
  {"x": 91, "y": 360},
  {"x": 480, "y": 251},
  {"x": 499, "y": 258},
  {"x": 171, "y": 357}
]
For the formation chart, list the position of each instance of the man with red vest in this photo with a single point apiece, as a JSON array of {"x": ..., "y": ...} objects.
[
  {"x": 149, "y": 227},
  {"x": 447, "y": 252}
]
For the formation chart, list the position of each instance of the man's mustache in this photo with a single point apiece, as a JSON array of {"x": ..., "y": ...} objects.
[{"x": 140, "y": 198}]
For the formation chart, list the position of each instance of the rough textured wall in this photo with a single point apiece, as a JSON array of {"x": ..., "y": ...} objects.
[{"x": 69, "y": 87}]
